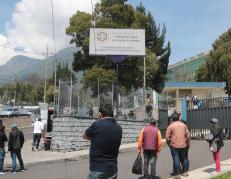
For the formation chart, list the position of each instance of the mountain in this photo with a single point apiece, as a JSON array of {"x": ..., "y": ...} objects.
[{"x": 20, "y": 67}]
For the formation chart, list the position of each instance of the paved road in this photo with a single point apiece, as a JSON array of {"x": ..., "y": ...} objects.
[
  {"x": 198, "y": 154},
  {"x": 27, "y": 131}
]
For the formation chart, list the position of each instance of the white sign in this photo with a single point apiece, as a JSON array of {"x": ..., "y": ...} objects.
[
  {"x": 43, "y": 112},
  {"x": 129, "y": 42}
]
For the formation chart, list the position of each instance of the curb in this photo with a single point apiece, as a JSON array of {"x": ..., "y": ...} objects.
[{"x": 71, "y": 158}]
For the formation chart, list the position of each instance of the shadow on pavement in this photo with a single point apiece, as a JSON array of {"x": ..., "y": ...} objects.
[
  {"x": 209, "y": 170},
  {"x": 142, "y": 177}
]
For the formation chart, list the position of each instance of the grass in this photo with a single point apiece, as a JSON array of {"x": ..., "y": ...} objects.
[{"x": 223, "y": 176}]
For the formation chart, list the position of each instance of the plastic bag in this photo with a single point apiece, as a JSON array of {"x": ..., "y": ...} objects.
[
  {"x": 137, "y": 166},
  {"x": 213, "y": 146},
  {"x": 209, "y": 137}
]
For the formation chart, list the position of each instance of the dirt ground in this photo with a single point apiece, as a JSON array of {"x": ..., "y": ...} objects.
[{"x": 22, "y": 121}]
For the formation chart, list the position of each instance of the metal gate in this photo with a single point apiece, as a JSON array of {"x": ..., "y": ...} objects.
[
  {"x": 200, "y": 113},
  {"x": 162, "y": 116}
]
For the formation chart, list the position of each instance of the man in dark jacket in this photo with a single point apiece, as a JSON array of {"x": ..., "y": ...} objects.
[
  {"x": 3, "y": 139},
  {"x": 16, "y": 141},
  {"x": 105, "y": 135}
]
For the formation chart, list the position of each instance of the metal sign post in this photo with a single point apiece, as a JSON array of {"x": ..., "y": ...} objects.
[
  {"x": 117, "y": 59},
  {"x": 117, "y": 45}
]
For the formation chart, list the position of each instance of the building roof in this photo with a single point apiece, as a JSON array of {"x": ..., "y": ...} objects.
[
  {"x": 195, "y": 84},
  {"x": 187, "y": 60}
]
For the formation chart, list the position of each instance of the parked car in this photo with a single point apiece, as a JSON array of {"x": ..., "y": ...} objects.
[
  {"x": 24, "y": 112},
  {"x": 10, "y": 112}
]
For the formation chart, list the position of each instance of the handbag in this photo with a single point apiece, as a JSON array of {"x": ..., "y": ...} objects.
[{"x": 137, "y": 166}]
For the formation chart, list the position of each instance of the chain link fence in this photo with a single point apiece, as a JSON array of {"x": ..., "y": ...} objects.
[{"x": 74, "y": 100}]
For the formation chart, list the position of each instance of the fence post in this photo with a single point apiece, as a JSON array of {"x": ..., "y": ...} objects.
[{"x": 184, "y": 109}]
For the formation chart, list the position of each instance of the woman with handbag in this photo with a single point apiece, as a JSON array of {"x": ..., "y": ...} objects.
[{"x": 216, "y": 142}]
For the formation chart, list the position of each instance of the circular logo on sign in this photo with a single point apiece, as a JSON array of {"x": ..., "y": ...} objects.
[{"x": 102, "y": 36}]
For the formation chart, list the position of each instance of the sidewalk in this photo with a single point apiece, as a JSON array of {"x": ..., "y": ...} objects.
[
  {"x": 36, "y": 157},
  {"x": 209, "y": 171}
]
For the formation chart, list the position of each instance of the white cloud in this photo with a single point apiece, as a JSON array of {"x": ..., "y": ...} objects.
[{"x": 31, "y": 25}]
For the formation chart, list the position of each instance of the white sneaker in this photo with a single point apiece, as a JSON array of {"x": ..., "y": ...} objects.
[{"x": 2, "y": 173}]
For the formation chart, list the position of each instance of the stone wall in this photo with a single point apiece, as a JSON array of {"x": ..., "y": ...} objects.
[{"x": 68, "y": 131}]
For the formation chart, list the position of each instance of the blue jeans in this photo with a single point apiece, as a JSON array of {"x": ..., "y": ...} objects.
[
  {"x": 16, "y": 153},
  {"x": 2, "y": 156},
  {"x": 36, "y": 140},
  {"x": 180, "y": 158},
  {"x": 102, "y": 175}
]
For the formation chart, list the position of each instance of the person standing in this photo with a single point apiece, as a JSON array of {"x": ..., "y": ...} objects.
[
  {"x": 15, "y": 144},
  {"x": 37, "y": 133},
  {"x": 218, "y": 137},
  {"x": 91, "y": 111},
  {"x": 177, "y": 137},
  {"x": 188, "y": 146},
  {"x": 149, "y": 109},
  {"x": 3, "y": 139},
  {"x": 105, "y": 136},
  {"x": 151, "y": 142}
]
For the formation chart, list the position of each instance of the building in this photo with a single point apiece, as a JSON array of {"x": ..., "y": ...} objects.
[
  {"x": 176, "y": 91},
  {"x": 185, "y": 70}
]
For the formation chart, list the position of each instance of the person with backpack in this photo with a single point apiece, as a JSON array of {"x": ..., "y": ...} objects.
[
  {"x": 216, "y": 142},
  {"x": 150, "y": 142}
]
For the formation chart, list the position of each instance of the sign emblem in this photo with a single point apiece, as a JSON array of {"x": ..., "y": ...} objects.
[{"x": 102, "y": 36}]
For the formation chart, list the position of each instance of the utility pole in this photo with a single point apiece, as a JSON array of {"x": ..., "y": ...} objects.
[
  {"x": 55, "y": 90},
  {"x": 71, "y": 94},
  {"x": 144, "y": 87},
  {"x": 58, "y": 112},
  {"x": 112, "y": 95},
  {"x": 45, "y": 83},
  {"x": 15, "y": 92},
  {"x": 98, "y": 93}
]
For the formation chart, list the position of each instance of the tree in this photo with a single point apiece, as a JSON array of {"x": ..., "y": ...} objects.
[
  {"x": 120, "y": 14},
  {"x": 104, "y": 76},
  {"x": 63, "y": 73},
  {"x": 218, "y": 65}
]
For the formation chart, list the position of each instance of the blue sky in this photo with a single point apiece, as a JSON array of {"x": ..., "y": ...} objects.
[
  {"x": 6, "y": 9},
  {"x": 192, "y": 26}
]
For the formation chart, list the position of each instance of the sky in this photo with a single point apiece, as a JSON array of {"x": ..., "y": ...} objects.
[{"x": 192, "y": 26}]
